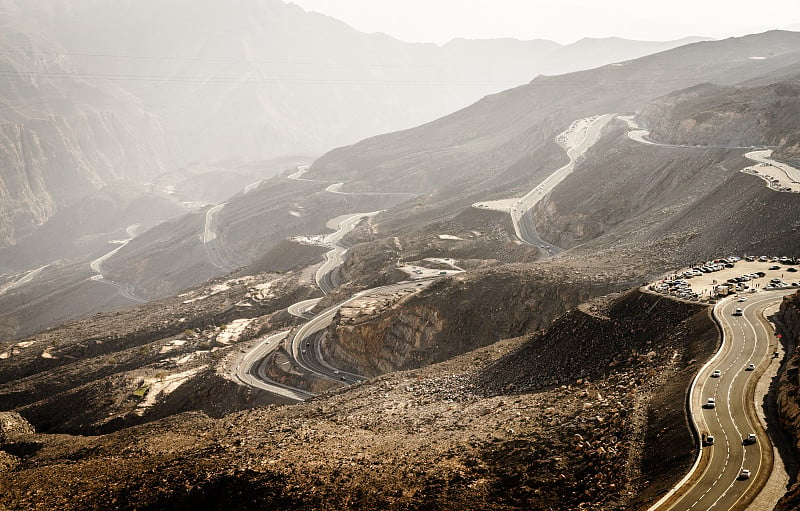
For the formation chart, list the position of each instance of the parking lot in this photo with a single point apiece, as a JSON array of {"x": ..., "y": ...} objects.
[{"x": 730, "y": 275}]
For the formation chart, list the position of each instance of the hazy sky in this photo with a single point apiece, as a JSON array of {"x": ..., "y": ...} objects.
[{"x": 564, "y": 21}]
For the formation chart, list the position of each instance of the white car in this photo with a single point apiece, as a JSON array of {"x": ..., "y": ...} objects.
[
  {"x": 744, "y": 474},
  {"x": 710, "y": 403},
  {"x": 749, "y": 439},
  {"x": 742, "y": 299},
  {"x": 750, "y": 367},
  {"x": 716, "y": 374},
  {"x": 710, "y": 440}
]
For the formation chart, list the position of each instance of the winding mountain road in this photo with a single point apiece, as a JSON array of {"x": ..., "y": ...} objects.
[
  {"x": 124, "y": 290},
  {"x": 250, "y": 369},
  {"x": 576, "y": 140},
  {"x": 334, "y": 258},
  {"x": 211, "y": 242},
  {"x": 715, "y": 482}
]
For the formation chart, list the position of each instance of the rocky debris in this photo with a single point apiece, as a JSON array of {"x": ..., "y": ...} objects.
[
  {"x": 13, "y": 426},
  {"x": 634, "y": 331}
]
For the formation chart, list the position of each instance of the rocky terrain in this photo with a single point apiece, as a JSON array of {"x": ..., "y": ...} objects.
[
  {"x": 788, "y": 389},
  {"x": 515, "y": 381},
  {"x": 451, "y": 317},
  {"x": 119, "y": 368},
  {"x": 652, "y": 202},
  {"x": 477, "y": 144},
  {"x": 62, "y": 138},
  {"x": 80, "y": 110},
  {"x": 473, "y": 431},
  {"x": 713, "y": 115}
]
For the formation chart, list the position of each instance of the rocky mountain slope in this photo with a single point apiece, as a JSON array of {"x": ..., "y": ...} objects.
[
  {"x": 668, "y": 205},
  {"x": 486, "y": 139},
  {"x": 713, "y": 115},
  {"x": 103, "y": 130},
  {"x": 61, "y": 137},
  {"x": 500, "y": 146},
  {"x": 474, "y": 431},
  {"x": 276, "y": 80},
  {"x": 70, "y": 379}
]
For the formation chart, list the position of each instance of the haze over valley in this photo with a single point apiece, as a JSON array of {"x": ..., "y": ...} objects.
[{"x": 252, "y": 257}]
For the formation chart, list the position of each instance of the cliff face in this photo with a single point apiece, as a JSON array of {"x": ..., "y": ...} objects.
[
  {"x": 54, "y": 161},
  {"x": 451, "y": 317},
  {"x": 788, "y": 395},
  {"x": 62, "y": 137}
]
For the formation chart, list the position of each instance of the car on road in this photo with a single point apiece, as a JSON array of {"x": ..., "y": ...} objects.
[
  {"x": 710, "y": 440},
  {"x": 749, "y": 439},
  {"x": 711, "y": 403},
  {"x": 716, "y": 374},
  {"x": 774, "y": 267},
  {"x": 744, "y": 474},
  {"x": 737, "y": 312},
  {"x": 742, "y": 299},
  {"x": 750, "y": 367}
]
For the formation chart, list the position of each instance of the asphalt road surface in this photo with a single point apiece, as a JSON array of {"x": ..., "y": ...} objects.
[
  {"x": 748, "y": 339},
  {"x": 301, "y": 309},
  {"x": 250, "y": 370}
]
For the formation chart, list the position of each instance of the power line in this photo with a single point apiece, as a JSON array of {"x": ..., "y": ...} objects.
[
  {"x": 241, "y": 80},
  {"x": 233, "y": 79}
]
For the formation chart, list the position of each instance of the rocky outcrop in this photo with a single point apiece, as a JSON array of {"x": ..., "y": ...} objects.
[
  {"x": 710, "y": 115},
  {"x": 788, "y": 392},
  {"x": 15, "y": 432},
  {"x": 54, "y": 161},
  {"x": 453, "y": 316},
  {"x": 406, "y": 338},
  {"x": 13, "y": 426}
]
